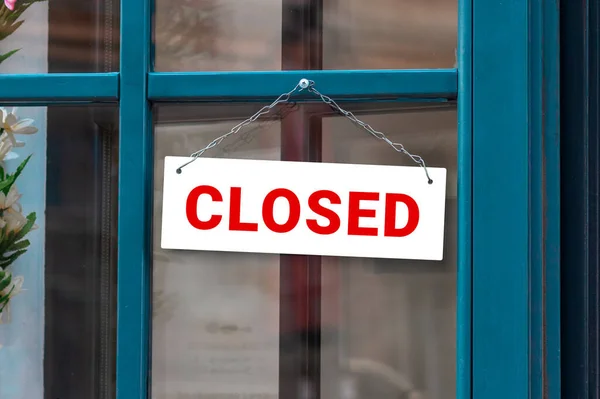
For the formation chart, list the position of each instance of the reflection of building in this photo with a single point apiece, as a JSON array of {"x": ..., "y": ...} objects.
[
  {"x": 65, "y": 36},
  {"x": 355, "y": 34},
  {"x": 218, "y": 320},
  {"x": 253, "y": 323},
  {"x": 390, "y": 325},
  {"x": 232, "y": 35}
]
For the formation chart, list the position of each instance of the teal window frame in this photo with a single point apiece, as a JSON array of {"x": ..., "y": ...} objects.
[
  {"x": 507, "y": 89},
  {"x": 516, "y": 199}
]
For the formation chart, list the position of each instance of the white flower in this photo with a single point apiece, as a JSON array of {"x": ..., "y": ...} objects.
[
  {"x": 12, "y": 125},
  {"x": 6, "y": 146},
  {"x": 13, "y": 289},
  {"x": 11, "y": 217},
  {"x": 13, "y": 220},
  {"x": 10, "y": 200}
]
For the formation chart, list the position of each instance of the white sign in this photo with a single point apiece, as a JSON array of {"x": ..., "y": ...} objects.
[{"x": 303, "y": 208}]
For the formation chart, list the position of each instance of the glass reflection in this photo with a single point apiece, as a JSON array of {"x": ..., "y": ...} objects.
[
  {"x": 59, "y": 338},
  {"x": 396, "y": 331},
  {"x": 216, "y": 315},
  {"x": 43, "y": 36},
  {"x": 226, "y": 35},
  {"x": 227, "y": 325}
]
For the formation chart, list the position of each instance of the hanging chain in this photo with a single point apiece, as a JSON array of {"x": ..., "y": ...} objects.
[
  {"x": 309, "y": 86},
  {"x": 284, "y": 98},
  {"x": 375, "y": 133},
  {"x": 248, "y": 136}
]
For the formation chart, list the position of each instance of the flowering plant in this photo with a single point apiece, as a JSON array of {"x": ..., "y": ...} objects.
[
  {"x": 14, "y": 225},
  {"x": 10, "y": 11}
]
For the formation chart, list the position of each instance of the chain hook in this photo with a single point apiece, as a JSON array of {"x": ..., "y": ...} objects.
[{"x": 304, "y": 84}]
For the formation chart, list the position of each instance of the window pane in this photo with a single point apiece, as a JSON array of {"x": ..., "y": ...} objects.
[
  {"x": 228, "y": 324},
  {"x": 228, "y": 35},
  {"x": 394, "y": 330},
  {"x": 216, "y": 315},
  {"x": 58, "y": 334},
  {"x": 59, "y": 36}
]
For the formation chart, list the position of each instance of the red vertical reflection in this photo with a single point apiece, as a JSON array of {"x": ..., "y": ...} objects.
[{"x": 300, "y": 277}]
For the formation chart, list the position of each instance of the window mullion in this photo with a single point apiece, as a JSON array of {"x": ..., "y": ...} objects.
[
  {"x": 434, "y": 83},
  {"x": 59, "y": 87},
  {"x": 135, "y": 199}
]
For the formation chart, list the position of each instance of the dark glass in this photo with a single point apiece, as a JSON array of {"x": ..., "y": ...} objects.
[
  {"x": 280, "y": 326},
  {"x": 266, "y": 35},
  {"x": 59, "y": 36},
  {"x": 59, "y": 337}
]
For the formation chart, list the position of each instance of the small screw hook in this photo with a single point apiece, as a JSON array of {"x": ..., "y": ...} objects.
[{"x": 304, "y": 83}]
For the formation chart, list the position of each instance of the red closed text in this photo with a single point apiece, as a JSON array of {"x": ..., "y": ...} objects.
[{"x": 322, "y": 202}]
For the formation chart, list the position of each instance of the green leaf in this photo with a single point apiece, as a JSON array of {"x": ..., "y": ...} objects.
[
  {"x": 3, "y": 234},
  {"x": 28, "y": 226},
  {"x": 20, "y": 8},
  {"x": 5, "y": 56},
  {"x": 5, "y": 280},
  {"x": 8, "y": 238},
  {"x": 7, "y": 183},
  {"x": 4, "y": 299},
  {"x": 19, "y": 245},
  {"x": 9, "y": 23},
  {"x": 7, "y": 261},
  {"x": 13, "y": 241},
  {"x": 6, "y": 31}
]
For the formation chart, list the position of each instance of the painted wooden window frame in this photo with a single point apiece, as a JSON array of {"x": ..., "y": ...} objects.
[
  {"x": 516, "y": 199},
  {"x": 509, "y": 212}
]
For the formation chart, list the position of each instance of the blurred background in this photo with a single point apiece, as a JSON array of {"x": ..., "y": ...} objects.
[{"x": 233, "y": 35}]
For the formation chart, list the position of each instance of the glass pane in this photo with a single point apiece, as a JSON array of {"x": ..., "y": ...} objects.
[
  {"x": 43, "y": 36},
  {"x": 230, "y": 325},
  {"x": 228, "y": 35},
  {"x": 58, "y": 332},
  {"x": 216, "y": 315},
  {"x": 393, "y": 333}
]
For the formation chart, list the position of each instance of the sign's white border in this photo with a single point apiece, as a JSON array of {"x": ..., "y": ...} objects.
[{"x": 256, "y": 179}]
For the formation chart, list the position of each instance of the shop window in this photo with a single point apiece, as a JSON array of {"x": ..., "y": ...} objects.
[
  {"x": 45, "y": 36},
  {"x": 266, "y": 35},
  {"x": 270, "y": 326},
  {"x": 58, "y": 333}
]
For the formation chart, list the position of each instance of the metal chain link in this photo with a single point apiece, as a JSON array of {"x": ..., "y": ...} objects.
[
  {"x": 309, "y": 86},
  {"x": 248, "y": 136},
  {"x": 284, "y": 98}
]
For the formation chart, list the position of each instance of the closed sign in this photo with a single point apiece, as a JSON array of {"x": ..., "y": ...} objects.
[{"x": 303, "y": 208}]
